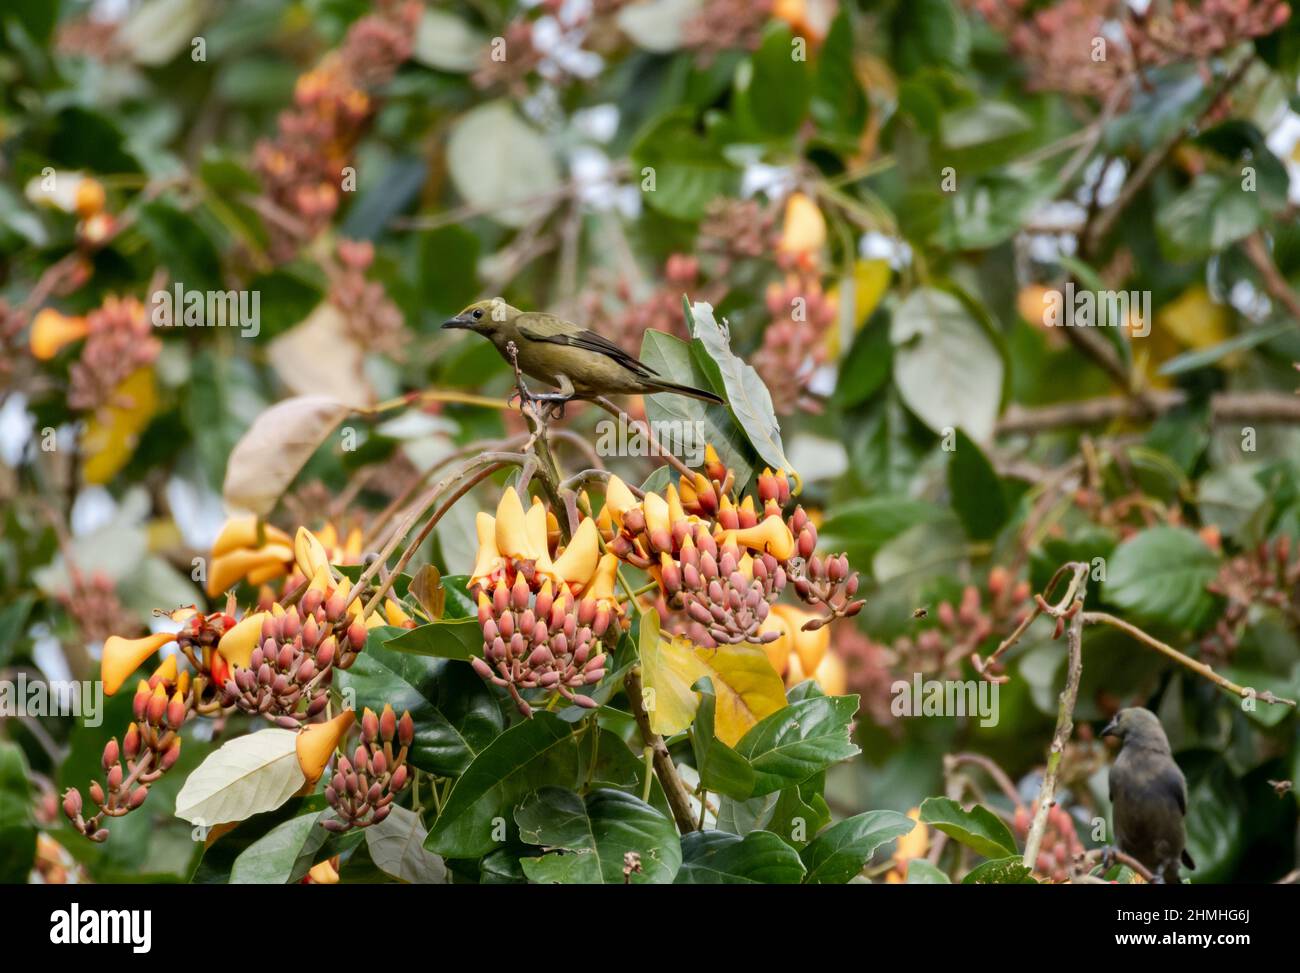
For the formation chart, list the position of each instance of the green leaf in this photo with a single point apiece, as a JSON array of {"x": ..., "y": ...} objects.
[
  {"x": 220, "y": 857},
  {"x": 921, "y": 872},
  {"x": 1160, "y": 574},
  {"x": 840, "y": 852},
  {"x": 1209, "y": 216},
  {"x": 1190, "y": 361},
  {"x": 718, "y": 858},
  {"x": 13, "y": 620},
  {"x": 284, "y": 854},
  {"x": 862, "y": 527},
  {"x": 721, "y": 769},
  {"x": 447, "y": 638},
  {"x": 746, "y": 394},
  {"x": 456, "y": 715},
  {"x": 681, "y": 171},
  {"x": 798, "y": 741},
  {"x": 975, "y": 490},
  {"x": 1000, "y": 871},
  {"x": 17, "y": 829},
  {"x": 396, "y": 846},
  {"x": 532, "y": 754},
  {"x": 978, "y": 829},
  {"x": 838, "y": 106},
  {"x": 795, "y": 813},
  {"x": 671, "y": 357},
  {"x": 773, "y": 85},
  {"x": 588, "y": 837},
  {"x": 501, "y": 163},
  {"x": 945, "y": 367}
]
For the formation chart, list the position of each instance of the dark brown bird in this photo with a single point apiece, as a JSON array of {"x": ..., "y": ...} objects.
[
  {"x": 1148, "y": 794},
  {"x": 579, "y": 362}
]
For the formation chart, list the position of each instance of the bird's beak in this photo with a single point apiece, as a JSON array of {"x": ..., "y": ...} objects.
[
  {"x": 460, "y": 321},
  {"x": 1111, "y": 729}
]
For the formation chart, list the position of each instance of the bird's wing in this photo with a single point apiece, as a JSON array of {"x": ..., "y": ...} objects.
[{"x": 549, "y": 328}]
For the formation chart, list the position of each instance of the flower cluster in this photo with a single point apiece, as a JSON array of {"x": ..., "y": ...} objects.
[
  {"x": 721, "y": 563},
  {"x": 277, "y": 662},
  {"x": 362, "y": 789},
  {"x": 302, "y": 167},
  {"x": 287, "y": 673},
  {"x": 1267, "y": 575},
  {"x": 150, "y": 747},
  {"x": 940, "y": 648},
  {"x": 370, "y": 317},
  {"x": 1069, "y": 46},
  {"x": 543, "y": 609},
  {"x": 118, "y": 342},
  {"x": 1060, "y": 844}
]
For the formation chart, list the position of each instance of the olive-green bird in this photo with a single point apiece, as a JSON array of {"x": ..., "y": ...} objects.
[
  {"x": 1148, "y": 794},
  {"x": 579, "y": 362}
]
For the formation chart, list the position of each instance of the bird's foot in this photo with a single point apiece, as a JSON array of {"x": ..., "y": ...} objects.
[{"x": 1107, "y": 857}]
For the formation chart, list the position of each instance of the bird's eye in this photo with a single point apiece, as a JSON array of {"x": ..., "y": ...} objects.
[{"x": 478, "y": 313}]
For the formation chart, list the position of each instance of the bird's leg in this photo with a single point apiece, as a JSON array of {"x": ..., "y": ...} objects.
[
  {"x": 556, "y": 399},
  {"x": 1107, "y": 858}
]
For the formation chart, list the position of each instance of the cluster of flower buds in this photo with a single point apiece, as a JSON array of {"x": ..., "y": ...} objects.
[
  {"x": 543, "y": 614},
  {"x": 721, "y": 563},
  {"x": 118, "y": 342},
  {"x": 300, "y": 167},
  {"x": 540, "y": 641},
  {"x": 150, "y": 747},
  {"x": 362, "y": 789},
  {"x": 951, "y": 634},
  {"x": 292, "y": 654},
  {"x": 1267, "y": 575},
  {"x": 370, "y": 317},
  {"x": 1060, "y": 843}
]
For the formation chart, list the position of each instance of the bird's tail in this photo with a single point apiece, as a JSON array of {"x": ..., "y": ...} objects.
[{"x": 686, "y": 390}]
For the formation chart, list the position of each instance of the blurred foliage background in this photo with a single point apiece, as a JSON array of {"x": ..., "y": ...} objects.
[{"x": 877, "y": 196}]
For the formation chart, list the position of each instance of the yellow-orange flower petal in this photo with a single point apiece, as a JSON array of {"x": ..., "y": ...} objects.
[
  {"x": 123, "y": 656},
  {"x": 236, "y": 646},
  {"x": 51, "y": 331},
  {"x": 779, "y": 649},
  {"x": 535, "y": 527},
  {"x": 394, "y": 613},
  {"x": 325, "y": 873},
  {"x": 166, "y": 671},
  {"x": 771, "y": 535},
  {"x": 656, "y": 513},
  {"x": 226, "y": 570},
  {"x": 317, "y": 742},
  {"x": 809, "y": 646},
  {"x": 832, "y": 675},
  {"x": 489, "y": 559},
  {"x": 512, "y": 529},
  {"x": 602, "y": 582},
  {"x": 804, "y": 228},
  {"x": 241, "y": 533},
  {"x": 578, "y": 561},
  {"x": 618, "y": 498},
  {"x": 309, "y": 553}
]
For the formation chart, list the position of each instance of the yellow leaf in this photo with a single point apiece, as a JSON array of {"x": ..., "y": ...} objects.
[
  {"x": 1194, "y": 318},
  {"x": 113, "y": 432},
  {"x": 746, "y": 686},
  {"x": 669, "y": 667}
]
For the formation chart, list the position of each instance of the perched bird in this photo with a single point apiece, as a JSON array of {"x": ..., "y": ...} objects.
[
  {"x": 580, "y": 363},
  {"x": 1148, "y": 794}
]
